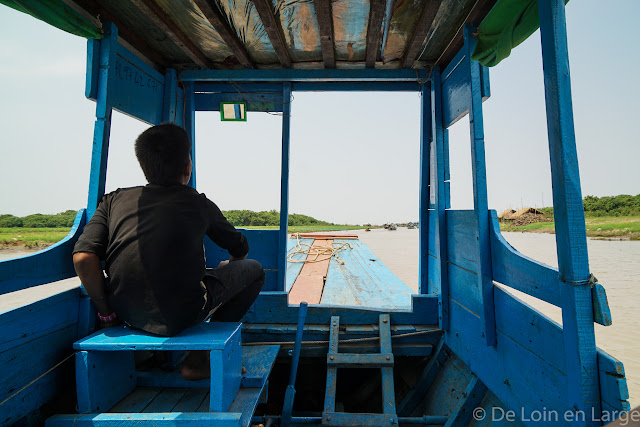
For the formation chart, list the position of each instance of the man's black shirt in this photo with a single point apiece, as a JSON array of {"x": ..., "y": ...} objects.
[{"x": 151, "y": 239}]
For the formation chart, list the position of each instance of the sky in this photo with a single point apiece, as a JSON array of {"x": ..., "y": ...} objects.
[{"x": 354, "y": 156}]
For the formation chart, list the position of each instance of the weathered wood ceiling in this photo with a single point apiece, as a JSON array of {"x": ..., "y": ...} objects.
[{"x": 303, "y": 34}]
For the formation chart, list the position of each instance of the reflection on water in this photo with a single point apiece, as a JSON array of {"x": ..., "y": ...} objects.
[{"x": 616, "y": 264}]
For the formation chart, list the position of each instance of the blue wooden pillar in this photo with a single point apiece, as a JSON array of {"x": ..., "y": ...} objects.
[
  {"x": 480, "y": 203},
  {"x": 284, "y": 188},
  {"x": 190, "y": 125},
  {"x": 170, "y": 100},
  {"x": 425, "y": 138},
  {"x": 571, "y": 240},
  {"x": 438, "y": 199},
  {"x": 102, "y": 127}
]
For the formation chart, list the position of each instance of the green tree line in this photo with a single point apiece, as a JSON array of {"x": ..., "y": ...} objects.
[
  {"x": 239, "y": 218},
  {"x": 621, "y": 205},
  {"x": 62, "y": 219}
]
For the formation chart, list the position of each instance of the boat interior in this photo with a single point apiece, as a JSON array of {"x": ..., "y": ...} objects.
[{"x": 341, "y": 341}]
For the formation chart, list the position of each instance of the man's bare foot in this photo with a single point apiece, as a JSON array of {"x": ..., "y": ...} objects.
[{"x": 196, "y": 366}]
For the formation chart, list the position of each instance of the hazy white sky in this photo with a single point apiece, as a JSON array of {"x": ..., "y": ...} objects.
[{"x": 354, "y": 156}]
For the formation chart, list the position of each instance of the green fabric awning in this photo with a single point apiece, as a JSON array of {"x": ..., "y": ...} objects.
[
  {"x": 508, "y": 24},
  {"x": 58, "y": 14}
]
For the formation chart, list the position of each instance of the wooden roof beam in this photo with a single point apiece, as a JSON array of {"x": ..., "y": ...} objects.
[
  {"x": 325, "y": 24},
  {"x": 263, "y": 7},
  {"x": 130, "y": 36},
  {"x": 223, "y": 28},
  {"x": 420, "y": 34},
  {"x": 159, "y": 18},
  {"x": 374, "y": 32}
]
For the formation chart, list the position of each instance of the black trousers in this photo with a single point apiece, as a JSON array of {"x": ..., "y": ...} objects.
[{"x": 231, "y": 289}]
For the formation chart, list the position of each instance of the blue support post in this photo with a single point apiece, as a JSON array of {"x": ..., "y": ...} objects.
[
  {"x": 290, "y": 393},
  {"x": 425, "y": 137},
  {"x": 284, "y": 188},
  {"x": 571, "y": 240},
  {"x": 190, "y": 125},
  {"x": 170, "y": 101},
  {"x": 102, "y": 128},
  {"x": 480, "y": 203},
  {"x": 441, "y": 278}
]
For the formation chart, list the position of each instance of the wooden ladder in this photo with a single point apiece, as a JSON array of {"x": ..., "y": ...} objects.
[{"x": 383, "y": 360}]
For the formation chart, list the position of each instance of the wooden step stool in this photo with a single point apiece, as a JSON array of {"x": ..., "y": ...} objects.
[{"x": 105, "y": 368}]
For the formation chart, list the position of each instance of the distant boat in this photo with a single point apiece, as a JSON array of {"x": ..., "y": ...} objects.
[{"x": 392, "y": 227}]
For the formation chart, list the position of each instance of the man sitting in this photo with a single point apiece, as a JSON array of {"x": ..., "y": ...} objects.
[{"x": 151, "y": 239}]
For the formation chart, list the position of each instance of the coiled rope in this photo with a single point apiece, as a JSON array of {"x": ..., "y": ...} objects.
[{"x": 317, "y": 253}]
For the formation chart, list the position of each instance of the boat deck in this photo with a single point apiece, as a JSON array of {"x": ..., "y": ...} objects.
[{"x": 358, "y": 278}]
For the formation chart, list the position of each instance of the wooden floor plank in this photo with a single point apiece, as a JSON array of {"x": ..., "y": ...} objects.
[
  {"x": 336, "y": 289},
  {"x": 310, "y": 282},
  {"x": 204, "y": 406},
  {"x": 192, "y": 400},
  {"x": 293, "y": 268},
  {"x": 137, "y": 400},
  {"x": 166, "y": 400}
]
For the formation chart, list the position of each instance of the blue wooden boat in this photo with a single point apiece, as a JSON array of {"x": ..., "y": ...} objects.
[{"x": 462, "y": 351}]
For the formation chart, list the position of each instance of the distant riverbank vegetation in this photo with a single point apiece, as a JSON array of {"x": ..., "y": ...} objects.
[
  {"x": 609, "y": 217},
  {"x": 39, "y": 230}
]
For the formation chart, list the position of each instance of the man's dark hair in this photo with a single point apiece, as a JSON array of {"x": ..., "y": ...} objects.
[{"x": 163, "y": 152}]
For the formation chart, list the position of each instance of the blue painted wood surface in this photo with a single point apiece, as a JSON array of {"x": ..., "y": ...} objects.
[
  {"x": 258, "y": 361},
  {"x": 439, "y": 239},
  {"x": 571, "y": 239},
  {"x": 463, "y": 412},
  {"x": 191, "y": 419},
  {"x": 30, "y": 322},
  {"x": 284, "y": 188},
  {"x": 366, "y": 278},
  {"x": 103, "y": 379},
  {"x": 613, "y": 384},
  {"x": 601, "y": 311},
  {"x": 137, "y": 90},
  {"x": 140, "y": 398},
  {"x": 190, "y": 127},
  {"x": 93, "y": 68},
  {"x": 424, "y": 382},
  {"x": 225, "y": 374},
  {"x": 262, "y": 102},
  {"x": 273, "y": 307},
  {"x": 25, "y": 362},
  {"x": 49, "y": 265},
  {"x": 170, "y": 97},
  {"x": 515, "y": 270},
  {"x": 293, "y": 268},
  {"x": 423, "y": 218},
  {"x": 479, "y": 174},
  {"x": 263, "y": 246},
  {"x": 102, "y": 128},
  {"x": 203, "y": 336},
  {"x": 297, "y": 75},
  {"x": 332, "y": 372},
  {"x": 388, "y": 390}
]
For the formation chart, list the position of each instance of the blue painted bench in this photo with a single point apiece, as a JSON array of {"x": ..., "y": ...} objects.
[{"x": 105, "y": 368}]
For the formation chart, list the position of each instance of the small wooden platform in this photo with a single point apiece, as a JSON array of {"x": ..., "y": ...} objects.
[
  {"x": 171, "y": 405},
  {"x": 363, "y": 280}
]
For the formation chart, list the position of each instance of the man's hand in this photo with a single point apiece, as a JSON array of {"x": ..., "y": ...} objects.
[
  {"x": 231, "y": 259},
  {"x": 89, "y": 270}
]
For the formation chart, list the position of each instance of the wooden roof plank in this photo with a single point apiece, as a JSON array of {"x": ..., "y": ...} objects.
[
  {"x": 374, "y": 32},
  {"x": 420, "y": 34},
  {"x": 325, "y": 24},
  {"x": 477, "y": 14},
  {"x": 128, "y": 35},
  {"x": 263, "y": 7},
  {"x": 159, "y": 18},
  {"x": 223, "y": 28}
]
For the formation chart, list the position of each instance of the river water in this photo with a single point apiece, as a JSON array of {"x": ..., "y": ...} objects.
[{"x": 616, "y": 264}]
